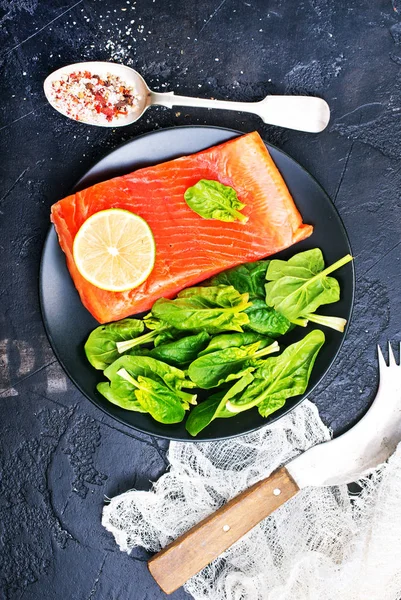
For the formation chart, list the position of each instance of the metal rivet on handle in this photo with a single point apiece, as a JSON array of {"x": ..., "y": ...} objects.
[
  {"x": 226, "y": 528},
  {"x": 277, "y": 492}
]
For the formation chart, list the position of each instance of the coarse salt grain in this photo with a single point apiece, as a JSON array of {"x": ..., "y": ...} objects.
[{"x": 84, "y": 96}]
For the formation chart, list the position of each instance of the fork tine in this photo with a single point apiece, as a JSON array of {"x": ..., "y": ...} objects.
[
  {"x": 382, "y": 362},
  {"x": 391, "y": 358}
]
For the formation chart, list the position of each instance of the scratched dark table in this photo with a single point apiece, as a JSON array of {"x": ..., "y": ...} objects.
[{"x": 59, "y": 455}]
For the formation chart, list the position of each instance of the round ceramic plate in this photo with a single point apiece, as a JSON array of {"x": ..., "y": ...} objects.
[{"x": 68, "y": 323}]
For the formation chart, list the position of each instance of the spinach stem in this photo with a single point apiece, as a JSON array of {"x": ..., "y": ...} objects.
[
  {"x": 340, "y": 263},
  {"x": 274, "y": 347},
  {"x": 300, "y": 321},
  {"x": 238, "y": 215},
  {"x": 237, "y": 408},
  {"x": 142, "y": 339},
  {"x": 125, "y": 375},
  {"x": 336, "y": 323},
  {"x": 186, "y": 397}
]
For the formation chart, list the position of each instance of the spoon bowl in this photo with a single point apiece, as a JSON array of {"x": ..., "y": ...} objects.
[
  {"x": 303, "y": 113},
  {"x": 129, "y": 76}
]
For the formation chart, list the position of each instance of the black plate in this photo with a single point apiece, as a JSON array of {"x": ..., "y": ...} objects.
[{"x": 68, "y": 323}]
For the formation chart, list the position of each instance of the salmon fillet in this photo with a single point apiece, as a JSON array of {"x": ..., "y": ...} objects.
[{"x": 189, "y": 248}]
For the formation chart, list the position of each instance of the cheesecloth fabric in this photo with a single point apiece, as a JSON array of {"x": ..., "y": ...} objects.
[{"x": 323, "y": 543}]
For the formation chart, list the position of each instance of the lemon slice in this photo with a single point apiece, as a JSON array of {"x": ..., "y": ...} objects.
[{"x": 114, "y": 250}]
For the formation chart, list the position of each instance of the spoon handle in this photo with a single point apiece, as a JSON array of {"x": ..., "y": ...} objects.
[
  {"x": 304, "y": 113},
  {"x": 169, "y": 99}
]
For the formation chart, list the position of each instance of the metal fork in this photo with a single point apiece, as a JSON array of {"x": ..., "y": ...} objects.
[{"x": 363, "y": 447}]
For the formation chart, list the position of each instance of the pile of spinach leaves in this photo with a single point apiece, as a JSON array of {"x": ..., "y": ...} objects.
[{"x": 219, "y": 336}]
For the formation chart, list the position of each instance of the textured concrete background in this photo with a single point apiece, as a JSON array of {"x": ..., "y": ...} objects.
[{"x": 59, "y": 456}]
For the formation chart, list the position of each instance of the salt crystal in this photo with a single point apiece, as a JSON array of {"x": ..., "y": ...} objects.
[{"x": 77, "y": 97}]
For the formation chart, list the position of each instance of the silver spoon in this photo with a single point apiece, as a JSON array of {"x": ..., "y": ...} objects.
[{"x": 304, "y": 113}]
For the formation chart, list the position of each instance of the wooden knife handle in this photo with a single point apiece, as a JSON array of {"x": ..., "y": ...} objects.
[{"x": 199, "y": 546}]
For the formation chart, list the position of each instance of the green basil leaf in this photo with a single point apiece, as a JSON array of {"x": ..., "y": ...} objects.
[{"x": 214, "y": 200}]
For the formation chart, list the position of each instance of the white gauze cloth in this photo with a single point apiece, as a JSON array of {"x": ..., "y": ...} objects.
[{"x": 322, "y": 543}]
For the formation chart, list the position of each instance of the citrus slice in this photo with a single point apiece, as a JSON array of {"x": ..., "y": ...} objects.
[{"x": 114, "y": 250}]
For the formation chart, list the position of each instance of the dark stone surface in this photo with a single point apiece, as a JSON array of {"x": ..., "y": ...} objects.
[{"x": 59, "y": 456}]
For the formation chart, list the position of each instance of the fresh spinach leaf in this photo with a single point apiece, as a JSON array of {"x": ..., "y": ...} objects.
[
  {"x": 215, "y": 407},
  {"x": 146, "y": 366},
  {"x": 101, "y": 345},
  {"x": 165, "y": 336},
  {"x": 235, "y": 340},
  {"x": 297, "y": 287},
  {"x": 121, "y": 393},
  {"x": 266, "y": 320},
  {"x": 156, "y": 398},
  {"x": 211, "y": 370},
  {"x": 215, "y": 295},
  {"x": 158, "y": 329},
  {"x": 280, "y": 377},
  {"x": 214, "y": 200},
  {"x": 214, "y": 310},
  {"x": 204, "y": 413},
  {"x": 250, "y": 278},
  {"x": 182, "y": 351},
  {"x": 163, "y": 333}
]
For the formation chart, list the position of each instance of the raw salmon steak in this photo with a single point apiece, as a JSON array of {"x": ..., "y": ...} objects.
[{"x": 189, "y": 248}]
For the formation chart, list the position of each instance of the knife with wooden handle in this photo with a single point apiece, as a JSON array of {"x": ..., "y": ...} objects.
[{"x": 342, "y": 460}]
